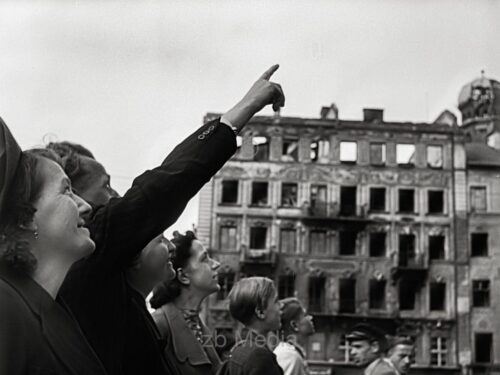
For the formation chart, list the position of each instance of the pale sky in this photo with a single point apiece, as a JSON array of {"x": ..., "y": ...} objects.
[{"x": 131, "y": 79}]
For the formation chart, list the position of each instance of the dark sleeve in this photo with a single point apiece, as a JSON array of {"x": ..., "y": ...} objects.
[
  {"x": 262, "y": 361},
  {"x": 13, "y": 348},
  {"x": 157, "y": 198}
]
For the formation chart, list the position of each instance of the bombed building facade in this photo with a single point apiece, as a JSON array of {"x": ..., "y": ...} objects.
[{"x": 394, "y": 224}]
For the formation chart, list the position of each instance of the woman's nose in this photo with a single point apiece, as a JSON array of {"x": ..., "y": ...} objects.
[{"x": 83, "y": 206}]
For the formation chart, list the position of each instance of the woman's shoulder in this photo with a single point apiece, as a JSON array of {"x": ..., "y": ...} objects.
[{"x": 13, "y": 308}]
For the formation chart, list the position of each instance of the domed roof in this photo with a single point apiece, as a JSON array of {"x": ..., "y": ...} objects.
[{"x": 481, "y": 82}]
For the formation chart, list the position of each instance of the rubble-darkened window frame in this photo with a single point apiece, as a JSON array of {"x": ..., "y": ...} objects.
[
  {"x": 409, "y": 207},
  {"x": 481, "y": 293},
  {"x": 286, "y": 285},
  {"x": 230, "y": 192},
  {"x": 347, "y": 242},
  {"x": 378, "y": 199},
  {"x": 437, "y": 246},
  {"x": 258, "y": 237},
  {"x": 260, "y": 194},
  {"x": 318, "y": 241},
  {"x": 377, "y": 244},
  {"x": 377, "y": 294},
  {"x": 289, "y": 194},
  {"x": 479, "y": 244},
  {"x": 347, "y": 295},
  {"x": 317, "y": 292},
  {"x": 483, "y": 347},
  {"x": 437, "y": 296},
  {"x": 435, "y": 202},
  {"x": 348, "y": 200},
  {"x": 407, "y": 295}
]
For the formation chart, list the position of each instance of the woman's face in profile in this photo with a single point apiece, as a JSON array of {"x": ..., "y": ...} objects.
[{"x": 58, "y": 216}]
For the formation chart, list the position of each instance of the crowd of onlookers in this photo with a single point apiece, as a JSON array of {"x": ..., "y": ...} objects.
[{"x": 77, "y": 262}]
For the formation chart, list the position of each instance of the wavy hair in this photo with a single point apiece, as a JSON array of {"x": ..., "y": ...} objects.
[{"x": 19, "y": 211}]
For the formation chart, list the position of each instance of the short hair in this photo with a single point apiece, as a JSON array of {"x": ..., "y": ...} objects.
[
  {"x": 71, "y": 154},
  {"x": 19, "y": 211},
  {"x": 291, "y": 309},
  {"x": 249, "y": 294},
  {"x": 400, "y": 340},
  {"x": 169, "y": 290}
]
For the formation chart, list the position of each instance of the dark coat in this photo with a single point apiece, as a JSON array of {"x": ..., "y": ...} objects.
[
  {"x": 182, "y": 349},
  {"x": 252, "y": 357},
  {"x": 38, "y": 335},
  {"x": 96, "y": 288}
]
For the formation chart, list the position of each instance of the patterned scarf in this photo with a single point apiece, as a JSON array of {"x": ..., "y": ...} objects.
[{"x": 192, "y": 318}]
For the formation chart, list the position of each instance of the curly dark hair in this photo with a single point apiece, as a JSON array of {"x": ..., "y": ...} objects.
[
  {"x": 168, "y": 291},
  {"x": 70, "y": 155},
  {"x": 19, "y": 211}
]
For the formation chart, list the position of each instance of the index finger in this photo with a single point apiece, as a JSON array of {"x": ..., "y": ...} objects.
[{"x": 269, "y": 72}]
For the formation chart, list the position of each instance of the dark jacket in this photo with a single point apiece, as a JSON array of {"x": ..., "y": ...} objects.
[
  {"x": 96, "y": 288},
  {"x": 252, "y": 357},
  {"x": 182, "y": 349},
  {"x": 38, "y": 335}
]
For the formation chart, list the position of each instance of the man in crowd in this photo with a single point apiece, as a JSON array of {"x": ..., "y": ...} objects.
[
  {"x": 368, "y": 346},
  {"x": 400, "y": 354}
]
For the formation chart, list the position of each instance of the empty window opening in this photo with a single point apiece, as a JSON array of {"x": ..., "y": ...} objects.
[
  {"x": 316, "y": 293},
  {"x": 290, "y": 151},
  {"x": 227, "y": 237},
  {"x": 407, "y": 255},
  {"x": 229, "y": 192},
  {"x": 437, "y": 296},
  {"x": 377, "y": 153},
  {"x": 483, "y": 347},
  {"x": 435, "y": 202},
  {"x": 478, "y": 198},
  {"x": 289, "y": 195},
  {"x": 480, "y": 293},
  {"x": 286, "y": 286},
  {"x": 317, "y": 241},
  {"x": 259, "y": 193},
  {"x": 226, "y": 282},
  {"x": 479, "y": 244},
  {"x": 348, "y": 152},
  {"x": 436, "y": 247},
  {"x": 347, "y": 242},
  {"x": 407, "y": 295},
  {"x": 288, "y": 240},
  {"x": 439, "y": 351},
  {"x": 377, "y": 294},
  {"x": 405, "y": 154},
  {"x": 258, "y": 237},
  {"x": 320, "y": 150},
  {"x": 348, "y": 200},
  {"x": 377, "y": 244},
  {"x": 347, "y": 295},
  {"x": 435, "y": 157},
  {"x": 377, "y": 199},
  {"x": 406, "y": 200},
  {"x": 260, "y": 148}
]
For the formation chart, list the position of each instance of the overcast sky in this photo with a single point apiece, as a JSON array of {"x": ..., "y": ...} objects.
[{"x": 131, "y": 79}]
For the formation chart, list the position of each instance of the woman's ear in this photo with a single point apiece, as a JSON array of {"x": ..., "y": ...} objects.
[
  {"x": 260, "y": 314},
  {"x": 294, "y": 325},
  {"x": 182, "y": 276}
]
